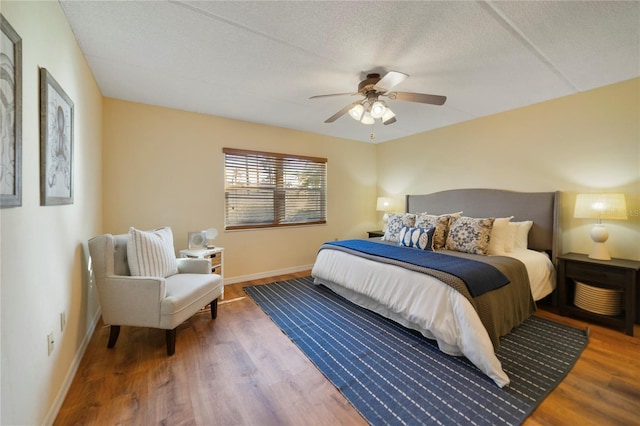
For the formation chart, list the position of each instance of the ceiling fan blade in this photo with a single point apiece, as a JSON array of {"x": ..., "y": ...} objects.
[
  {"x": 389, "y": 80},
  {"x": 340, "y": 113},
  {"x": 332, "y": 94},
  {"x": 418, "y": 97}
]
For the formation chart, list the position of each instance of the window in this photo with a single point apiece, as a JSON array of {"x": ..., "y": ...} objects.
[{"x": 264, "y": 189}]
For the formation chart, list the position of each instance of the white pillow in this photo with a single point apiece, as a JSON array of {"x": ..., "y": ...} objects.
[
  {"x": 499, "y": 235},
  {"x": 151, "y": 253},
  {"x": 518, "y": 236}
]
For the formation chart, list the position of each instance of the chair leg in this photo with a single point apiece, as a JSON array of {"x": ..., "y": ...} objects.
[
  {"x": 214, "y": 309},
  {"x": 171, "y": 341},
  {"x": 114, "y": 332}
]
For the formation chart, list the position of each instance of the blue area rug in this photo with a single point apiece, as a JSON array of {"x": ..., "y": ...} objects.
[{"x": 393, "y": 375}]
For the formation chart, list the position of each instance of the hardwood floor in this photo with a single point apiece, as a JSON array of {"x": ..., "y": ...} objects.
[{"x": 241, "y": 369}]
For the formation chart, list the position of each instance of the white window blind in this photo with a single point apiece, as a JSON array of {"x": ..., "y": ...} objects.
[{"x": 264, "y": 189}]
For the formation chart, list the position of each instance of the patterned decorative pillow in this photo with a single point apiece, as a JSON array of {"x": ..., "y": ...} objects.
[
  {"x": 441, "y": 223},
  {"x": 470, "y": 235},
  {"x": 395, "y": 224},
  {"x": 421, "y": 238},
  {"x": 151, "y": 253}
]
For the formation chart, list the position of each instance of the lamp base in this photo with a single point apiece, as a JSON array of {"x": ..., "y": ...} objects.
[
  {"x": 599, "y": 251},
  {"x": 599, "y": 235}
]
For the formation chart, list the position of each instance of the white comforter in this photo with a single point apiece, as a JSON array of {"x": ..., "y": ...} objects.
[{"x": 424, "y": 303}]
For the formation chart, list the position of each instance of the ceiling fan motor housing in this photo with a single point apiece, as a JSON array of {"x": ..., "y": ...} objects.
[{"x": 367, "y": 84}]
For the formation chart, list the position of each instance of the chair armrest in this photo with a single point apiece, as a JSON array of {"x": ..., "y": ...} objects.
[
  {"x": 191, "y": 265},
  {"x": 136, "y": 301}
]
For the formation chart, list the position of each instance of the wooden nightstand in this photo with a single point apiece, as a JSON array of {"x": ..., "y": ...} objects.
[
  {"x": 374, "y": 234},
  {"x": 615, "y": 274}
]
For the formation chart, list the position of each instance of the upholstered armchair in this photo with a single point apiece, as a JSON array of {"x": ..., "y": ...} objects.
[{"x": 162, "y": 302}]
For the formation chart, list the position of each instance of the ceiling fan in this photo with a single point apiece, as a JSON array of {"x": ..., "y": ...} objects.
[{"x": 371, "y": 107}]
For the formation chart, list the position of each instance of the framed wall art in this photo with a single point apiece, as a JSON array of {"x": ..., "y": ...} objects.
[
  {"x": 10, "y": 116},
  {"x": 56, "y": 143}
]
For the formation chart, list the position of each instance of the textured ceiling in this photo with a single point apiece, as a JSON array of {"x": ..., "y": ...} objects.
[{"x": 261, "y": 61}]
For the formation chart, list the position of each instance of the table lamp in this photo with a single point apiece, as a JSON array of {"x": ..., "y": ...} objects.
[
  {"x": 600, "y": 206},
  {"x": 384, "y": 204}
]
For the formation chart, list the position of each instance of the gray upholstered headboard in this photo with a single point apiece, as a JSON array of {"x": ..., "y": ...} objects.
[{"x": 540, "y": 207}]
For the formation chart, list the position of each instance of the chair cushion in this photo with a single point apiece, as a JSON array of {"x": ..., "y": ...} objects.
[
  {"x": 150, "y": 253},
  {"x": 186, "y": 294}
]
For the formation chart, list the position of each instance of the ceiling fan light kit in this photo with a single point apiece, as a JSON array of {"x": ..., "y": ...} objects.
[
  {"x": 388, "y": 117},
  {"x": 377, "y": 109},
  {"x": 371, "y": 108},
  {"x": 367, "y": 118},
  {"x": 356, "y": 112}
]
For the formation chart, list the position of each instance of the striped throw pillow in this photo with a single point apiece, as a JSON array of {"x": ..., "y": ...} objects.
[{"x": 150, "y": 253}]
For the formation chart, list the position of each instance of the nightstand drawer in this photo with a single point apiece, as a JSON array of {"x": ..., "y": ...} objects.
[{"x": 589, "y": 272}]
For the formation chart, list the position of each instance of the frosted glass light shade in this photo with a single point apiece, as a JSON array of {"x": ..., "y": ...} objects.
[
  {"x": 388, "y": 117},
  {"x": 377, "y": 109},
  {"x": 367, "y": 118},
  {"x": 356, "y": 112}
]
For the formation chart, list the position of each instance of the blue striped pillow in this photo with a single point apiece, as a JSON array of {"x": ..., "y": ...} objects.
[{"x": 421, "y": 238}]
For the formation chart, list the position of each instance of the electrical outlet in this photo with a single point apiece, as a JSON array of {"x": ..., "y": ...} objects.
[
  {"x": 50, "y": 342},
  {"x": 63, "y": 321}
]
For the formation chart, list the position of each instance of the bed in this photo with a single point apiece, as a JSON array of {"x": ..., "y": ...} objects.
[{"x": 423, "y": 298}]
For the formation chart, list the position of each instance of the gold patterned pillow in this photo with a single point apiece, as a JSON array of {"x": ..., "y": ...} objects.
[
  {"x": 395, "y": 224},
  {"x": 440, "y": 223},
  {"x": 469, "y": 235}
]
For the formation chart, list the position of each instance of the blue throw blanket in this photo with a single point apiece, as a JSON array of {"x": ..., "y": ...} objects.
[{"x": 479, "y": 277}]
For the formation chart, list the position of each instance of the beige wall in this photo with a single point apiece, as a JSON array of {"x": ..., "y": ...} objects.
[
  {"x": 588, "y": 142},
  {"x": 137, "y": 165},
  {"x": 43, "y": 248},
  {"x": 165, "y": 167}
]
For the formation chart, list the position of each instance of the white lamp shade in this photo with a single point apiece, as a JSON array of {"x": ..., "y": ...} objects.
[
  {"x": 356, "y": 112},
  {"x": 367, "y": 118},
  {"x": 384, "y": 204},
  {"x": 388, "y": 117},
  {"x": 600, "y": 206},
  {"x": 377, "y": 109}
]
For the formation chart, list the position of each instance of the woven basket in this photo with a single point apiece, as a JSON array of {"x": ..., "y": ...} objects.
[{"x": 598, "y": 300}]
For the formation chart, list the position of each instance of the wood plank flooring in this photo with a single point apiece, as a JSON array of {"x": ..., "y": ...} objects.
[{"x": 240, "y": 369}]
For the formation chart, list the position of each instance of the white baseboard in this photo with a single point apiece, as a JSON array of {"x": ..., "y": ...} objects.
[
  {"x": 57, "y": 404},
  {"x": 73, "y": 369},
  {"x": 260, "y": 275}
]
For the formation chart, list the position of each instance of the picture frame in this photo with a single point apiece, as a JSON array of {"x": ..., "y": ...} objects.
[
  {"x": 197, "y": 240},
  {"x": 10, "y": 116},
  {"x": 56, "y": 142}
]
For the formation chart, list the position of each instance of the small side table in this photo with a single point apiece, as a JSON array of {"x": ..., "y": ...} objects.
[
  {"x": 615, "y": 274},
  {"x": 213, "y": 254},
  {"x": 374, "y": 234}
]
